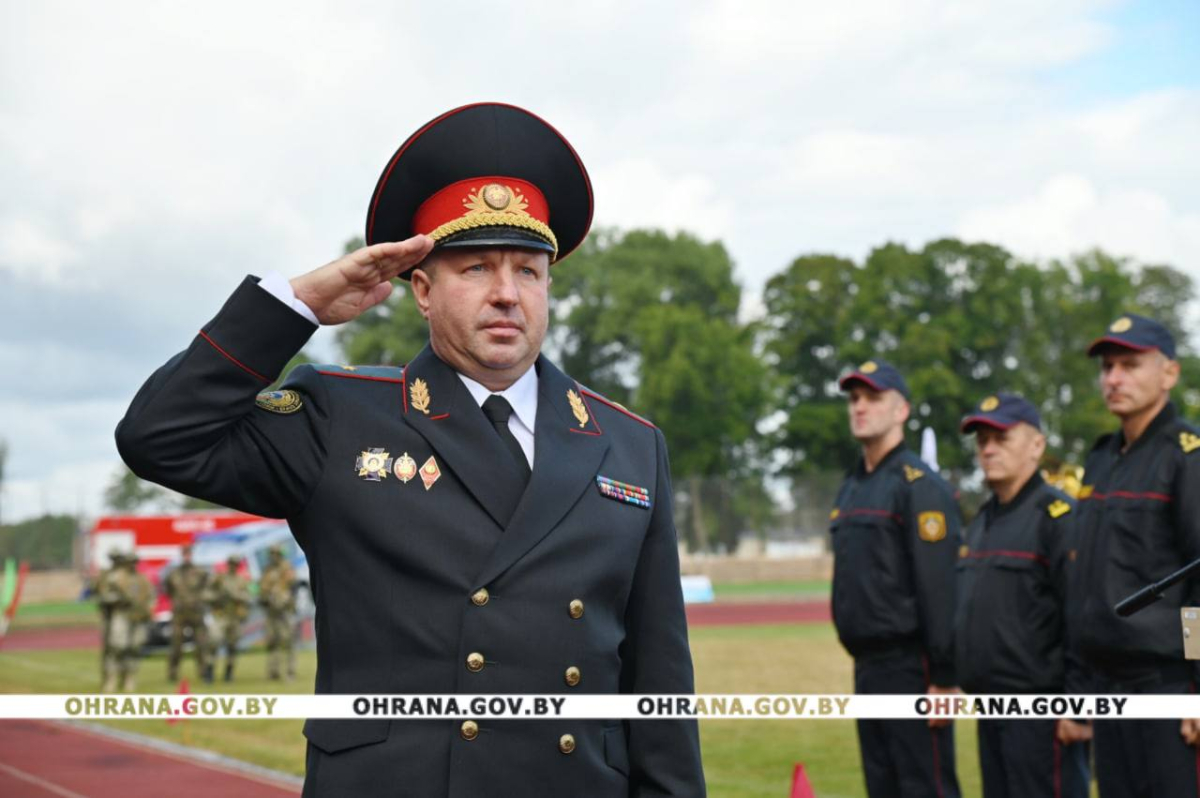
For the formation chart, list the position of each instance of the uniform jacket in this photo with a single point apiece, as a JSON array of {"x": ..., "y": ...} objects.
[
  {"x": 1010, "y": 627},
  {"x": 412, "y": 577},
  {"x": 1139, "y": 520},
  {"x": 188, "y": 587},
  {"x": 896, "y": 533}
]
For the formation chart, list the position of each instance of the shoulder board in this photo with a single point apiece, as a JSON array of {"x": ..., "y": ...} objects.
[
  {"x": 1189, "y": 441},
  {"x": 377, "y": 373},
  {"x": 912, "y": 474},
  {"x": 620, "y": 408},
  {"x": 1057, "y": 508}
]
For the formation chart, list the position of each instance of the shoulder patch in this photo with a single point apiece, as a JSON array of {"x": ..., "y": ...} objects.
[
  {"x": 1058, "y": 509},
  {"x": 931, "y": 526},
  {"x": 834, "y": 513},
  {"x": 1189, "y": 442},
  {"x": 1085, "y": 491},
  {"x": 283, "y": 402},
  {"x": 912, "y": 474}
]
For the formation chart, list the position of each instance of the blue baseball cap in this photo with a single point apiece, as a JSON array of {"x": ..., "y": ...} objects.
[
  {"x": 1002, "y": 411},
  {"x": 1135, "y": 332},
  {"x": 878, "y": 375}
]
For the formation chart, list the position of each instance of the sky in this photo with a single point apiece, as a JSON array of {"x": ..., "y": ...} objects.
[{"x": 152, "y": 154}]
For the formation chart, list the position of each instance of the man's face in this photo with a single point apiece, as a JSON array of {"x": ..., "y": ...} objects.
[
  {"x": 1134, "y": 381},
  {"x": 874, "y": 413},
  {"x": 1005, "y": 455},
  {"x": 488, "y": 309}
]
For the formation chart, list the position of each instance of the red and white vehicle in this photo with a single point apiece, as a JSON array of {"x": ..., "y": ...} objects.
[{"x": 156, "y": 539}]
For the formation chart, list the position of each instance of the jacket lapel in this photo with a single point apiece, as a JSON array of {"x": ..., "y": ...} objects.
[
  {"x": 440, "y": 408},
  {"x": 568, "y": 449}
]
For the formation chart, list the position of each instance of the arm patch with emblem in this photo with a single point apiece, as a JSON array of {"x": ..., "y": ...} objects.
[{"x": 279, "y": 401}]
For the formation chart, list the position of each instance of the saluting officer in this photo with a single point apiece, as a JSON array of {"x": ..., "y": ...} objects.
[
  {"x": 477, "y": 521},
  {"x": 1139, "y": 520},
  {"x": 896, "y": 530},
  {"x": 1010, "y": 629}
]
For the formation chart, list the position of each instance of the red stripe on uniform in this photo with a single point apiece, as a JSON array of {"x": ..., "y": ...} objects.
[
  {"x": 616, "y": 407},
  {"x": 883, "y": 513},
  {"x": 233, "y": 359},
  {"x": 1125, "y": 494},
  {"x": 1024, "y": 555}
]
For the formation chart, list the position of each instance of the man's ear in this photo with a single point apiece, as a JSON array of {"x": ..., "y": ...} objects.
[{"x": 421, "y": 283}]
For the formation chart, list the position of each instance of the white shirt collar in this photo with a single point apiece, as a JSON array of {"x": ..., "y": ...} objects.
[{"x": 522, "y": 395}]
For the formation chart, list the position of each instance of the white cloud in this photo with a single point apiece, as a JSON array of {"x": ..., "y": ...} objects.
[
  {"x": 641, "y": 193},
  {"x": 29, "y": 249}
]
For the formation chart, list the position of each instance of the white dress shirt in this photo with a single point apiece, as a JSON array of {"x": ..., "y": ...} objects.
[{"x": 522, "y": 394}]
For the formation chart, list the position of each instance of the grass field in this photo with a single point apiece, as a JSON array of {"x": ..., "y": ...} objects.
[
  {"x": 55, "y": 614},
  {"x": 742, "y": 758},
  {"x": 757, "y": 591}
]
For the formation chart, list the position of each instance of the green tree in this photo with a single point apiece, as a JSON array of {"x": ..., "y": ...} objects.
[{"x": 45, "y": 542}]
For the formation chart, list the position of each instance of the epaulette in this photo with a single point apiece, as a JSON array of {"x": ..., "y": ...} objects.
[
  {"x": 1057, "y": 508},
  {"x": 1189, "y": 441},
  {"x": 912, "y": 474},
  {"x": 620, "y": 408},
  {"x": 376, "y": 373}
]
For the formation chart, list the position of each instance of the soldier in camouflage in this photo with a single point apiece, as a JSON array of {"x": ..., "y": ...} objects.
[
  {"x": 97, "y": 589},
  {"x": 276, "y": 595},
  {"x": 129, "y": 597},
  {"x": 230, "y": 601},
  {"x": 187, "y": 587}
]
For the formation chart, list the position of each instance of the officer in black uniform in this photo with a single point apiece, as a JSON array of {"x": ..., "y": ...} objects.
[
  {"x": 1139, "y": 520},
  {"x": 475, "y": 522},
  {"x": 896, "y": 530},
  {"x": 1010, "y": 627}
]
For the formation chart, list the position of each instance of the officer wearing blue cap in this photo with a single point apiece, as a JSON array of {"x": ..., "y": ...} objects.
[
  {"x": 1010, "y": 631},
  {"x": 476, "y": 521},
  {"x": 896, "y": 531},
  {"x": 1139, "y": 520}
]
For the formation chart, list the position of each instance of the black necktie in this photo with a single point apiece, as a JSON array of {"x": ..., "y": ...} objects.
[{"x": 498, "y": 411}]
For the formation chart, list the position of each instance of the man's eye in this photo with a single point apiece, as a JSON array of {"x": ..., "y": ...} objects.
[{"x": 475, "y": 267}]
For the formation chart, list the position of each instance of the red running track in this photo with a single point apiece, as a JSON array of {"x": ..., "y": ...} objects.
[
  {"x": 42, "y": 759},
  {"x": 742, "y": 613}
]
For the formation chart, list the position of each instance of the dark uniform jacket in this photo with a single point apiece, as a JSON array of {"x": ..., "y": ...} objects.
[
  {"x": 412, "y": 577},
  {"x": 1139, "y": 520},
  {"x": 1010, "y": 627},
  {"x": 896, "y": 533}
]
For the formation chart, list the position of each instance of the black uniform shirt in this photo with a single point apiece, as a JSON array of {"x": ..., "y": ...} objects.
[
  {"x": 1139, "y": 520},
  {"x": 1009, "y": 629},
  {"x": 896, "y": 533}
]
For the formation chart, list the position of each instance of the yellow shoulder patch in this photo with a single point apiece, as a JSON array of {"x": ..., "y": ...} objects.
[
  {"x": 279, "y": 401},
  {"x": 1189, "y": 442},
  {"x": 964, "y": 551},
  {"x": 1058, "y": 509},
  {"x": 834, "y": 513},
  {"x": 1085, "y": 491},
  {"x": 912, "y": 474},
  {"x": 931, "y": 526}
]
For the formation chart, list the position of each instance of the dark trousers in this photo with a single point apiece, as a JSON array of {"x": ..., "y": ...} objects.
[
  {"x": 902, "y": 758},
  {"x": 1144, "y": 758},
  {"x": 1024, "y": 759}
]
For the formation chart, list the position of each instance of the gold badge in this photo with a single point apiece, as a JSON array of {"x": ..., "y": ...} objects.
[
  {"x": 931, "y": 526},
  {"x": 870, "y": 367},
  {"x": 1058, "y": 509},
  {"x": 1085, "y": 491},
  {"x": 912, "y": 474},
  {"x": 406, "y": 468},
  {"x": 373, "y": 464},
  {"x": 1121, "y": 325},
  {"x": 496, "y": 196},
  {"x": 578, "y": 408},
  {"x": 430, "y": 473},
  {"x": 279, "y": 401},
  {"x": 963, "y": 551},
  {"x": 834, "y": 513},
  {"x": 989, "y": 404},
  {"x": 1189, "y": 442},
  {"x": 419, "y": 394}
]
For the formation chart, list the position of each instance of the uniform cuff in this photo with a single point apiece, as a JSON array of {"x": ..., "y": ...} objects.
[{"x": 257, "y": 331}]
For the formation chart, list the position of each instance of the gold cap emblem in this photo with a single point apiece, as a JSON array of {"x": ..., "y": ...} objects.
[
  {"x": 496, "y": 196},
  {"x": 1121, "y": 325},
  {"x": 869, "y": 367},
  {"x": 989, "y": 404}
]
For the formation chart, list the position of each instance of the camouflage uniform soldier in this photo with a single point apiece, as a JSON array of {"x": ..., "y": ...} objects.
[
  {"x": 187, "y": 586},
  {"x": 98, "y": 590},
  {"x": 130, "y": 598},
  {"x": 230, "y": 601},
  {"x": 275, "y": 594}
]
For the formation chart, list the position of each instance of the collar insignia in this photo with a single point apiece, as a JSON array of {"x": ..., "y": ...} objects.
[
  {"x": 418, "y": 394},
  {"x": 578, "y": 408}
]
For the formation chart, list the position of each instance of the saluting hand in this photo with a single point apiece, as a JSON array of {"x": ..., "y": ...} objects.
[{"x": 353, "y": 284}]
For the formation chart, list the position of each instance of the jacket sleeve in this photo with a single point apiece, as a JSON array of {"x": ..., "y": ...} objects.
[
  {"x": 195, "y": 425},
  {"x": 1186, "y": 506},
  {"x": 664, "y": 755},
  {"x": 934, "y": 537},
  {"x": 1056, "y": 540}
]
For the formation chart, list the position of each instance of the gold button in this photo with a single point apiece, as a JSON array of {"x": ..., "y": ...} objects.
[
  {"x": 573, "y": 676},
  {"x": 469, "y": 730},
  {"x": 566, "y": 743},
  {"x": 480, "y": 597},
  {"x": 474, "y": 662},
  {"x": 576, "y": 609}
]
